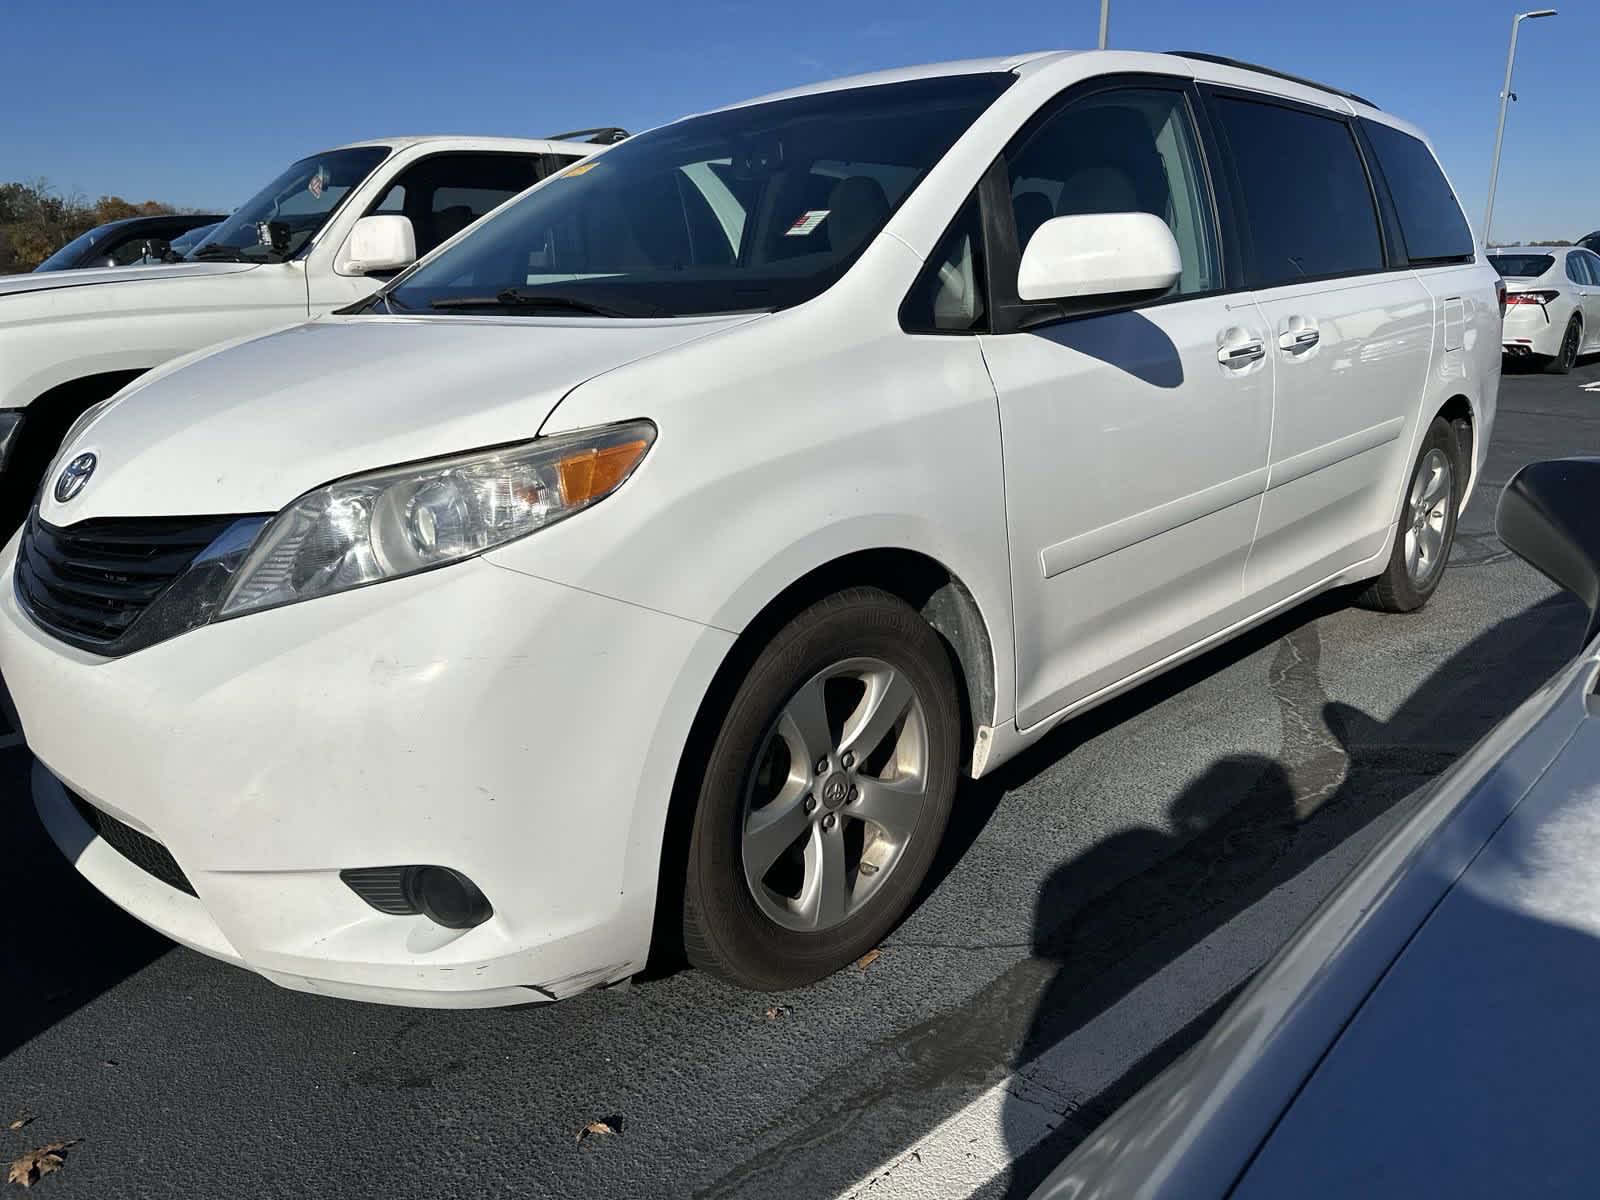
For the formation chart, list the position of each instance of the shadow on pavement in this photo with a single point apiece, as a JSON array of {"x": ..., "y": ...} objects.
[
  {"x": 1246, "y": 826},
  {"x": 64, "y": 943}
]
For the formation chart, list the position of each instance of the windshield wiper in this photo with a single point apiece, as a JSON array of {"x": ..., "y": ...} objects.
[{"x": 516, "y": 297}]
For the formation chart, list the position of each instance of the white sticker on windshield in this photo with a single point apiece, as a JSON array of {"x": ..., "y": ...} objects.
[{"x": 806, "y": 222}]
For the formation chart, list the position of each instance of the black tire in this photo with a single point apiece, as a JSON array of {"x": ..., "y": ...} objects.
[
  {"x": 725, "y": 929},
  {"x": 1564, "y": 360},
  {"x": 1399, "y": 589}
]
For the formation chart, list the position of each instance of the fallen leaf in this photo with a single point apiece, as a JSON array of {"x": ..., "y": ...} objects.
[
  {"x": 36, "y": 1164},
  {"x": 25, "y": 1119},
  {"x": 778, "y": 1010},
  {"x": 867, "y": 959},
  {"x": 606, "y": 1127}
]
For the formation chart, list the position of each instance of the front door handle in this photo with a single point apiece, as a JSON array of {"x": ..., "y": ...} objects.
[
  {"x": 1238, "y": 354},
  {"x": 1299, "y": 339}
]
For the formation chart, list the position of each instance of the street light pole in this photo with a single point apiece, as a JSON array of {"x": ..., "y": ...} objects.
[
  {"x": 1505, "y": 98},
  {"x": 1105, "y": 21}
]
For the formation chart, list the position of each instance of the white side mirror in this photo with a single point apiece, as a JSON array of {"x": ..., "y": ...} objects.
[
  {"x": 1099, "y": 254},
  {"x": 384, "y": 243}
]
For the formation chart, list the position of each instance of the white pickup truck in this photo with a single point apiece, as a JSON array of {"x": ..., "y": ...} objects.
[{"x": 323, "y": 234}]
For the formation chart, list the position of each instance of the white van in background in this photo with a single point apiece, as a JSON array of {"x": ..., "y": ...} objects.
[{"x": 308, "y": 242}]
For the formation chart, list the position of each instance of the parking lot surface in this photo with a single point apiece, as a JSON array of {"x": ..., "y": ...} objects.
[{"x": 1099, "y": 901}]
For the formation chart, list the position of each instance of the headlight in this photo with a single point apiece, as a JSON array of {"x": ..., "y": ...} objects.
[{"x": 407, "y": 519}]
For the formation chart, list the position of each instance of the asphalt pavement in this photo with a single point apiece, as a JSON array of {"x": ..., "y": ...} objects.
[{"x": 1099, "y": 901}]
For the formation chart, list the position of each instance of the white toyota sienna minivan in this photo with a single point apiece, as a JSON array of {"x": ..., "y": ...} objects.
[{"x": 657, "y": 557}]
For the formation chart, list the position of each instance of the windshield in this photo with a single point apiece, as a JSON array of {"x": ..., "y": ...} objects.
[
  {"x": 1521, "y": 266},
  {"x": 286, "y": 214},
  {"x": 754, "y": 208},
  {"x": 67, "y": 257}
]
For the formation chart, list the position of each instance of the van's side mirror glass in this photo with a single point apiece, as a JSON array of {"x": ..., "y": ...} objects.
[
  {"x": 383, "y": 243},
  {"x": 1547, "y": 517},
  {"x": 1132, "y": 255}
]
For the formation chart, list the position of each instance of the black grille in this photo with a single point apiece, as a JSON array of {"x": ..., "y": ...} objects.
[
  {"x": 382, "y": 887},
  {"x": 88, "y": 583},
  {"x": 143, "y": 852}
]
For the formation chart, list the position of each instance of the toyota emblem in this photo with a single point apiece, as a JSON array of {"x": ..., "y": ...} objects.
[{"x": 75, "y": 477}]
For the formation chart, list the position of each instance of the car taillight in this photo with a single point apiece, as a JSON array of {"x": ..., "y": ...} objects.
[
  {"x": 1500, "y": 295},
  {"x": 1540, "y": 298}
]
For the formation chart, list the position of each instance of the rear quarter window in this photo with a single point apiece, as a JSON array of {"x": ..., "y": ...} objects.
[{"x": 1431, "y": 221}]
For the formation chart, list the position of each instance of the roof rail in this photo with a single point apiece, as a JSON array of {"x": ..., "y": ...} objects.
[
  {"x": 601, "y": 135},
  {"x": 1220, "y": 60}
]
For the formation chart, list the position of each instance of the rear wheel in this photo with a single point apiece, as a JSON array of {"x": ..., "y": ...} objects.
[
  {"x": 1427, "y": 527},
  {"x": 1563, "y": 362},
  {"x": 826, "y": 793}
]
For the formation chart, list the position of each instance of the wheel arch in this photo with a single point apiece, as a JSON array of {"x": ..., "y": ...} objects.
[
  {"x": 923, "y": 582},
  {"x": 1463, "y": 419}
]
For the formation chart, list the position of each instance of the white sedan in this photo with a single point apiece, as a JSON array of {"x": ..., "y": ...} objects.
[{"x": 1552, "y": 303}]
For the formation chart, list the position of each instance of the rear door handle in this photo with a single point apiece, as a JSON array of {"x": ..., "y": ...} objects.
[
  {"x": 1299, "y": 339},
  {"x": 1237, "y": 354}
]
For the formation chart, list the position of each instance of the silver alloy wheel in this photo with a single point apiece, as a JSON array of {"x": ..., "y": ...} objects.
[
  {"x": 1432, "y": 493},
  {"x": 836, "y": 795}
]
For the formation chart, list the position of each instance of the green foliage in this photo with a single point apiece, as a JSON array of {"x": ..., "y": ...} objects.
[{"x": 36, "y": 220}]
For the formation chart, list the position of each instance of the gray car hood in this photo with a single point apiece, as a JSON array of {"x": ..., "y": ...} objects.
[{"x": 1471, "y": 1070}]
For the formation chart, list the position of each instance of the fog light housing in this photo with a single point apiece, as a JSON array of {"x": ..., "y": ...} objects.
[{"x": 446, "y": 897}]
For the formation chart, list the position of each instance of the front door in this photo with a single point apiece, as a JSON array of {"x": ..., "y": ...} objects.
[{"x": 1135, "y": 442}]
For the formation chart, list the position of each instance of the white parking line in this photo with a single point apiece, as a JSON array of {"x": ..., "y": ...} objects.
[
  {"x": 1592, "y": 387},
  {"x": 970, "y": 1148}
]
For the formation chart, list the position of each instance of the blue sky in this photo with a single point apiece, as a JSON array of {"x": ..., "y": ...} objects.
[{"x": 201, "y": 104}]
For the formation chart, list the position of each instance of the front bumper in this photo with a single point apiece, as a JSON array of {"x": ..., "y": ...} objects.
[{"x": 517, "y": 730}]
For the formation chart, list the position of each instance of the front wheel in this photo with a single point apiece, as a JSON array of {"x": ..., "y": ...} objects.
[
  {"x": 1427, "y": 527},
  {"x": 827, "y": 791}
]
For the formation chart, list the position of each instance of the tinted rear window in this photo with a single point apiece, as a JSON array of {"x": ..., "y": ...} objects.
[
  {"x": 1521, "y": 266},
  {"x": 1310, "y": 208},
  {"x": 1430, "y": 219}
]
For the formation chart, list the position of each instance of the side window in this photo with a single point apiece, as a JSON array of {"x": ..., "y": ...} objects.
[
  {"x": 135, "y": 249},
  {"x": 1122, "y": 151},
  {"x": 444, "y": 193},
  {"x": 1575, "y": 269},
  {"x": 1592, "y": 260},
  {"x": 393, "y": 202},
  {"x": 1431, "y": 221},
  {"x": 1309, "y": 206},
  {"x": 948, "y": 296}
]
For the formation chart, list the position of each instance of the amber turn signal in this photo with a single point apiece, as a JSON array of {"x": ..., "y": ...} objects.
[{"x": 590, "y": 474}]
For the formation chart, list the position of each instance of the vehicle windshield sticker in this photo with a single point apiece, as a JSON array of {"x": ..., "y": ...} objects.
[
  {"x": 580, "y": 169},
  {"x": 807, "y": 221},
  {"x": 316, "y": 184}
]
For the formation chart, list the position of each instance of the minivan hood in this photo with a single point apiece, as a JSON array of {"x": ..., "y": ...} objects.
[
  {"x": 47, "y": 281},
  {"x": 250, "y": 427}
]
